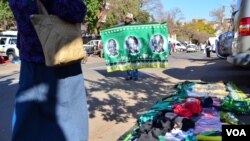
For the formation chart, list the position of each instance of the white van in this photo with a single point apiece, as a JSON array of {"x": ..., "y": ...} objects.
[
  {"x": 8, "y": 49},
  {"x": 178, "y": 45},
  {"x": 212, "y": 41}
]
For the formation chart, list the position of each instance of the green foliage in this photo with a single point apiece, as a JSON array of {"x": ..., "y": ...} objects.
[
  {"x": 203, "y": 27},
  {"x": 6, "y": 16},
  {"x": 92, "y": 13},
  {"x": 142, "y": 17},
  {"x": 197, "y": 31},
  {"x": 119, "y": 8}
]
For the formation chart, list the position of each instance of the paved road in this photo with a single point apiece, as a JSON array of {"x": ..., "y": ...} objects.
[{"x": 114, "y": 103}]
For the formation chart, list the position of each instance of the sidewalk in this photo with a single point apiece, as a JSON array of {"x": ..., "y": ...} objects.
[
  {"x": 9, "y": 68},
  {"x": 94, "y": 59}
]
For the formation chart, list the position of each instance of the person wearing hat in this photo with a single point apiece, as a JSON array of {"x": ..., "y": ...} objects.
[
  {"x": 133, "y": 73},
  {"x": 128, "y": 19}
]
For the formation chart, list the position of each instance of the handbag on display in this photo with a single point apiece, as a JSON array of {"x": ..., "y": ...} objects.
[{"x": 61, "y": 40}]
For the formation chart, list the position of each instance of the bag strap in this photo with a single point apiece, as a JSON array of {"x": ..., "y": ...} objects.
[{"x": 41, "y": 8}]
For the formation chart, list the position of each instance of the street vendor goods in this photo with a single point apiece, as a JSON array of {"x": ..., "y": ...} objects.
[{"x": 195, "y": 111}]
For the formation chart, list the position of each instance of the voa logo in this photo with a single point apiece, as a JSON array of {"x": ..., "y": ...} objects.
[{"x": 236, "y": 132}]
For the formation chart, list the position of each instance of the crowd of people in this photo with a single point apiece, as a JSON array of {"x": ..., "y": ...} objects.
[{"x": 171, "y": 47}]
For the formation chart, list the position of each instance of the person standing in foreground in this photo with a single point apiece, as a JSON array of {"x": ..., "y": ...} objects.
[
  {"x": 133, "y": 73},
  {"x": 50, "y": 103}
]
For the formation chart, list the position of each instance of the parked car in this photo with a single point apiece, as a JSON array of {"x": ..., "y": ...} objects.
[
  {"x": 192, "y": 48},
  {"x": 224, "y": 45},
  {"x": 92, "y": 46},
  {"x": 240, "y": 45},
  {"x": 8, "y": 49},
  {"x": 180, "y": 47}
]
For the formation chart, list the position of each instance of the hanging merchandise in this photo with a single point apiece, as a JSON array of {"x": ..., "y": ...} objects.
[{"x": 135, "y": 46}]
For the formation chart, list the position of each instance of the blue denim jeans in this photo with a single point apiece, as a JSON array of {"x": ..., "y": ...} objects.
[
  {"x": 50, "y": 104},
  {"x": 133, "y": 74}
]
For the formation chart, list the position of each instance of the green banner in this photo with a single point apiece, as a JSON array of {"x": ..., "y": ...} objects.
[{"x": 135, "y": 47}]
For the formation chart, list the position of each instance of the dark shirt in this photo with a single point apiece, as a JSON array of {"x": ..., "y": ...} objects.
[{"x": 28, "y": 43}]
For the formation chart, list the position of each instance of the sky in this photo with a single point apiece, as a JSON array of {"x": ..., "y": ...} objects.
[{"x": 197, "y": 9}]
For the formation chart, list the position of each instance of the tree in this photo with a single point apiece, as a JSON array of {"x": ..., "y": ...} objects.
[
  {"x": 173, "y": 19},
  {"x": 154, "y": 7},
  {"x": 91, "y": 20},
  {"x": 219, "y": 17},
  {"x": 142, "y": 17},
  {"x": 119, "y": 8},
  {"x": 196, "y": 31},
  {"x": 6, "y": 16}
]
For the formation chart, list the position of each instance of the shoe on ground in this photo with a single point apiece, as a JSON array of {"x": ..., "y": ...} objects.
[
  {"x": 128, "y": 78},
  {"x": 135, "y": 79}
]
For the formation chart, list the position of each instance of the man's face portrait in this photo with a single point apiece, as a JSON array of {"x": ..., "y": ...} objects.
[
  {"x": 112, "y": 47},
  {"x": 157, "y": 43},
  {"x": 132, "y": 45}
]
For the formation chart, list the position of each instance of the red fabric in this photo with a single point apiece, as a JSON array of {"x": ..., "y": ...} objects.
[
  {"x": 1, "y": 59},
  {"x": 194, "y": 106},
  {"x": 191, "y": 107},
  {"x": 182, "y": 111}
]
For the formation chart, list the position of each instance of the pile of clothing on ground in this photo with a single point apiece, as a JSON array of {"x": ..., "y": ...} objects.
[
  {"x": 195, "y": 112},
  {"x": 2, "y": 60},
  {"x": 14, "y": 61}
]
